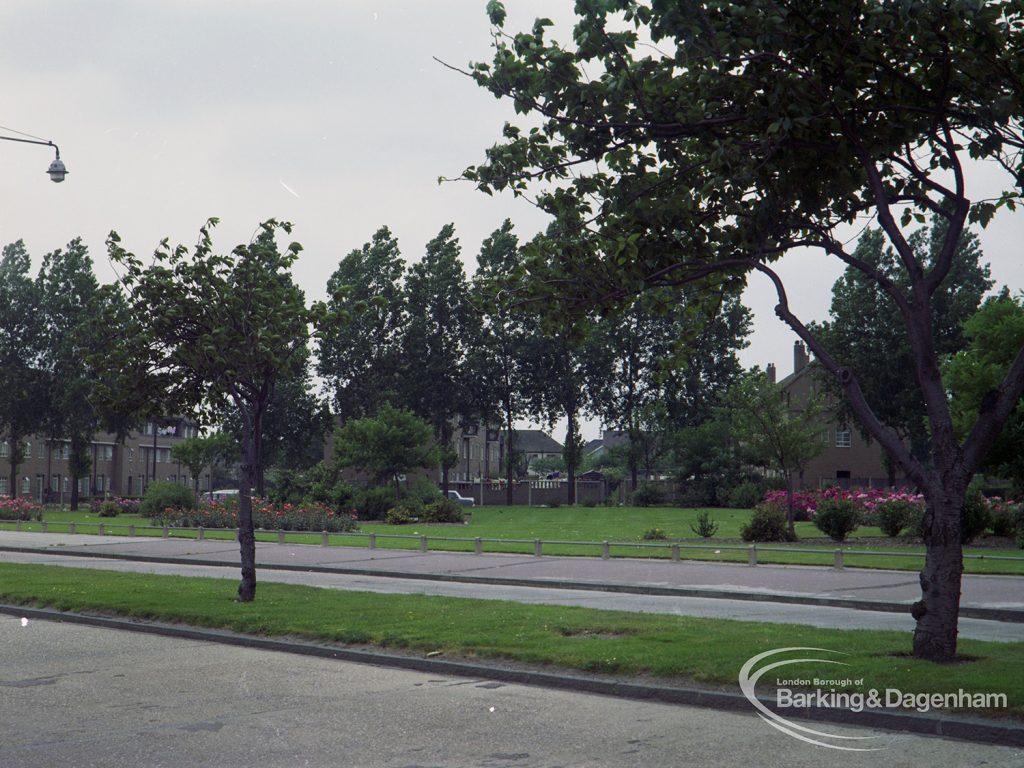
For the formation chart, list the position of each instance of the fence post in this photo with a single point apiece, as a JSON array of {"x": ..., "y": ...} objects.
[
  {"x": 200, "y": 533},
  {"x": 605, "y": 554},
  {"x": 17, "y": 526},
  {"x": 131, "y": 530},
  {"x": 71, "y": 527},
  {"x": 537, "y": 547},
  {"x": 280, "y": 537},
  {"x": 839, "y": 559},
  {"x": 752, "y": 554},
  {"x": 324, "y": 539},
  {"x": 100, "y": 529},
  {"x": 371, "y": 541},
  {"x": 46, "y": 526},
  {"x": 423, "y": 543},
  {"x": 478, "y": 545},
  {"x": 675, "y": 553},
  {"x": 167, "y": 531}
]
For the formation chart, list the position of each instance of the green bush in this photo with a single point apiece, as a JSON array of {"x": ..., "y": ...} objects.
[
  {"x": 648, "y": 495},
  {"x": 837, "y": 518},
  {"x": 406, "y": 511},
  {"x": 163, "y": 495},
  {"x": 1005, "y": 519},
  {"x": 744, "y": 496},
  {"x": 893, "y": 516},
  {"x": 704, "y": 527},
  {"x": 373, "y": 503},
  {"x": 655, "y": 534},
  {"x": 109, "y": 509},
  {"x": 974, "y": 517},
  {"x": 443, "y": 511},
  {"x": 423, "y": 489},
  {"x": 768, "y": 523}
]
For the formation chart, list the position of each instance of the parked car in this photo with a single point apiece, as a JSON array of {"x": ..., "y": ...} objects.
[{"x": 458, "y": 498}]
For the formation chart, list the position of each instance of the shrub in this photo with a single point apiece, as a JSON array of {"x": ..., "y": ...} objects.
[
  {"x": 373, "y": 503},
  {"x": 648, "y": 495},
  {"x": 162, "y": 495},
  {"x": 423, "y": 489},
  {"x": 895, "y": 515},
  {"x": 768, "y": 523},
  {"x": 744, "y": 496},
  {"x": 443, "y": 511},
  {"x": 109, "y": 509},
  {"x": 705, "y": 527},
  {"x": 974, "y": 517},
  {"x": 654, "y": 534},
  {"x": 1004, "y": 518},
  {"x": 20, "y": 509},
  {"x": 837, "y": 518}
]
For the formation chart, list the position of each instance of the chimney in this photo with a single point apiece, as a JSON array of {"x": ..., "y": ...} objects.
[
  {"x": 799, "y": 356},
  {"x": 771, "y": 372}
]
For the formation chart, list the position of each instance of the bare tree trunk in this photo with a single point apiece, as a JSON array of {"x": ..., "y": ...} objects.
[
  {"x": 251, "y": 460},
  {"x": 937, "y": 611}
]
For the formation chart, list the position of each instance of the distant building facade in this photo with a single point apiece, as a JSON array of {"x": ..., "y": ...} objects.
[
  {"x": 847, "y": 459},
  {"x": 123, "y": 468}
]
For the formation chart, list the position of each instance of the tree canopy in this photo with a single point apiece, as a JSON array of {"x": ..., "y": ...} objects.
[{"x": 696, "y": 143}]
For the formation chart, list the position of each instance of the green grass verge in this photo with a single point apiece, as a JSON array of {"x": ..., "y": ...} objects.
[
  {"x": 595, "y": 524},
  {"x": 679, "y": 648}
]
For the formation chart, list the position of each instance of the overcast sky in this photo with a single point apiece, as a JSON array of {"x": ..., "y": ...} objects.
[{"x": 332, "y": 115}]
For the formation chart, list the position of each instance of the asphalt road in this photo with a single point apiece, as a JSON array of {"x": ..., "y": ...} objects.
[
  {"x": 83, "y": 697},
  {"x": 742, "y": 610}
]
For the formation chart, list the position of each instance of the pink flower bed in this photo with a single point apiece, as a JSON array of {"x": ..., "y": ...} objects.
[{"x": 805, "y": 503}]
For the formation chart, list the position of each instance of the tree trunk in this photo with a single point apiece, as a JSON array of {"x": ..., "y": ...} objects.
[
  {"x": 509, "y": 468},
  {"x": 251, "y": 460},
  {"x": 938, "y": 609},
  {"x": 15, "y": 462},
  {"x": 790, "y": 515}
]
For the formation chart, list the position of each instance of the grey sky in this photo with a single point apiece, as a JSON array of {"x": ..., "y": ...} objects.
[{"x": 329, "y": 114}]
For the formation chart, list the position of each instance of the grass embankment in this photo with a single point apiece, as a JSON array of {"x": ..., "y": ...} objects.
[
  {"x": 678, "y": 648},
  {"x": 596, "y": 524}
]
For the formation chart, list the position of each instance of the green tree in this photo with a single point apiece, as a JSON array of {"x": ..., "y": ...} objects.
[
  {"x": 224, "y": 327},
  {"x": 496, "y": 361},
  {"x": 70, "y": 300},
  {"x": 865, "y": 333},
  {"x": 441, "y": 329},
  {"x": 773, "y": 432},
  {"x": 995, "y": 334},
  {"x": 701, "y": 142},
  {"x": 199, "y": 453},
  {"x": 359, "y": 352},
  {"x": 23, "y": 396},
  {"x": 387, "y": 445}
]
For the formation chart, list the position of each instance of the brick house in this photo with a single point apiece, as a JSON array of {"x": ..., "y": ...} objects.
[
  {"x": 118, "y": 468},
  {"x": 847, "y": 459}
]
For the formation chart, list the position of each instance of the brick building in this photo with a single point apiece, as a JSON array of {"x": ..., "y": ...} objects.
[{"x": 118, "y": 468}]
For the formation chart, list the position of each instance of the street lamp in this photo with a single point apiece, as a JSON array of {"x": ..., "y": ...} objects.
[{"x": 56, "y": 171}]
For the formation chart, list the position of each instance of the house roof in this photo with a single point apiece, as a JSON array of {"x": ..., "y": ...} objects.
[{"x": 536, "y": 441}]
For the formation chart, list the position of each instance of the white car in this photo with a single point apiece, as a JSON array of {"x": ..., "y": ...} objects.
[{"x": 458, "y": 498}]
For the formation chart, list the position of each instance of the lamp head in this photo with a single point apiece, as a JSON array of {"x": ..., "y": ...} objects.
[{"x": 57, "y": 171}]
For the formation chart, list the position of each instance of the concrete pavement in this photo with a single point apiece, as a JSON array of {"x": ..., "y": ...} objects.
[{"x": 82, "y": 696}]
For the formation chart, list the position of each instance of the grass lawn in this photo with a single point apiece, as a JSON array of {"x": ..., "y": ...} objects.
[
  {"x": 679, "y": 648},
  {"x": 596, "y": 524}
]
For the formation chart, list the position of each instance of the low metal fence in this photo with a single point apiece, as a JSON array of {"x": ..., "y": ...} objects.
[{"x": 608, "y": 549}]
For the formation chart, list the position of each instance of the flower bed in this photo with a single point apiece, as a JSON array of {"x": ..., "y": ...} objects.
[
  {"x": 311, "y": 516},
  {"x": 865, "y": 501},
  {"x": 20, "y": 509}
]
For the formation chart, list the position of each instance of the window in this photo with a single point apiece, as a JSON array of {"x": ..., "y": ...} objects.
[
  {"x": 27, "y": 452},
  {"x": 3, "y": 486},
  {"x": 131, "y": 454},
  {"x": 826, "y": 436},
  {"x": 55, "y": 483},
  {"x": 104, "y": 452},
  {"x": 26, "y": 485},
  {"x": 41, "y": 451},
  {"x": 843, "y": 439},
  {"x": 5, "y": 449},
  {"x": 67, "y": 484}
]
